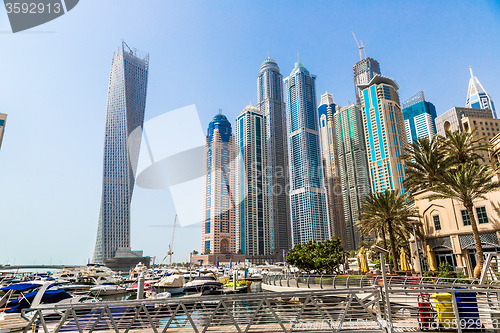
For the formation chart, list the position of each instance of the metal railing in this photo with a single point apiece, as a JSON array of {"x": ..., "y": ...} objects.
[
  {"x": 349, "y": 309},
  {"x": 352, "y": 281}
]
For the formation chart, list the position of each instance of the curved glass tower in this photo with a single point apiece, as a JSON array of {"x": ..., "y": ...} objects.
[
  {"x": 218, "y": 226},
  {"x": 125, "y": 113},
  {"x": 272, "y": 105},
  {"x": 307, "y": 189}
]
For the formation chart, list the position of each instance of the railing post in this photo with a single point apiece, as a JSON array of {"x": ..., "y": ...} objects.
[
  {"x": 321, "y": 281},
  {"x": 280, "y": 279},
  {"x": 288, "y": 280},
  {"x": 455, "y": 311},
  {"x": 347, "y": 282},
  {"x": 361, "y": 281},
  {"x": 297, "y": 281},
  {"x": 334, "y": 287},
  {"x": 308, "y": 278}
]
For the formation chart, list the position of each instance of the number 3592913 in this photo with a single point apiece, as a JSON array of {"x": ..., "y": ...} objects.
[{"x": 32, "y": 8}]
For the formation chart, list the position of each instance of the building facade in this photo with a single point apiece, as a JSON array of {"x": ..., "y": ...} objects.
[
  {"x": 124, "y": 120},
  {"x": 364, "y": 71},
  {"x": 448, "y": 232},
  {"x": 353, "y": 165},
  {"x": 253, "y": 233},
  {"x": 419, "y": 116},
  {"x": 385, "y": 134},
  {"x": 3, "y": 122},
  {"x": 309, "y": 216},
  {"x": 478, "y": 97},
  {"x": 486, "y": 128},
  {"x": 219, "y": 206},
  {"x": 272, "y": 105},
  {"x": 331, "y": 170},
  {"x": 451, "y": 119}
]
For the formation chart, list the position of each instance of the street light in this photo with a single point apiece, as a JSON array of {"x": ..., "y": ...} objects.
[
  {"x": 414, "y": 223},
  {"x": 382, "y": 253}
]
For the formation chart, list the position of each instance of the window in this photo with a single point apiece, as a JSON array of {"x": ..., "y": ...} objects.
[
  {"x": 482, "y": 217},
  {"x": 437, "y": 222},
  {"x": 207, "y": 245},
  {"x": 465, "y": 217}
]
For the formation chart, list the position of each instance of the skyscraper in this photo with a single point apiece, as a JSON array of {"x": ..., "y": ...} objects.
[
  {"x": 385, "y": 134},
  {"x": 253, "y": 213},
  {"x": 309, "y": 216},
  {"x": 478, "y": 97},
  {"x": 125, "y": 113},
  {"x": 218, "y": 224},
  {"x": 326, "y": 113},
  {"x": 3, "y": 120},
  {"x": 271, "y": 104},
  {"x": 364, "y": 71},
  {"x": 353, "y": 165},
  {"x": 419, "y": 116}
]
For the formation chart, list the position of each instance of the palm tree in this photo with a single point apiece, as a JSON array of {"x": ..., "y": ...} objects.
[
  {"x": 463, "y": 147},
  {"x": 466, "y": 183},
  {"x": 388, "y": 211},
  {"x": 424, "y": 162}
]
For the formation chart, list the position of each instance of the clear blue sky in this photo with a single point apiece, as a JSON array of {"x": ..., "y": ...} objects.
[{"x": 54, "y": 78}]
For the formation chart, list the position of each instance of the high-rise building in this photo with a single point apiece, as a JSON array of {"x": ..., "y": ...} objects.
[
  {"x": 272, "y": 105},
  {"x": 353, "y": 165},
  {"x": 364, "y": 71},
  {"x": 419, "y": 116},
  {"x": 385, "y": 134},
  {"x": 478, "y": 97},
  {"x": 451, "y": 119},
  {"x": 3, "y": 121},
  {"x": 252, "y": 184},
  {"x": 333, "y": 185},
  {"x": 309, "y": 216},
  {"x": 218, "y": 224},
  {"x": 125, "y": 113}
]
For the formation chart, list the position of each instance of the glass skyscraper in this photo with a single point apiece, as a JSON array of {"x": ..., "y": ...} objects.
[
  {"x": 125, "y": 113},
  {"x": 364, "y": 71},
  {"x": 252, "y": 213},
  {"x": 3, "y": 120},
  {"x": 353, "y": 165},
  {"x": 419, "y": 116},
  {"x": 385, "y": 134},
  {"x": 309, "y": 216},
  {"x": 218, "y": 224},
  {"x": 478, "y": 97},
  {"x": 326, "y": 113},
  {"x": 271, "y": 104}
]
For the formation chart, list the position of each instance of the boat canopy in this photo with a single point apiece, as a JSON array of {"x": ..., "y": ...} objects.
[
  {"x": 24, "y": 302},
  {"x": 21, "y": 287}
]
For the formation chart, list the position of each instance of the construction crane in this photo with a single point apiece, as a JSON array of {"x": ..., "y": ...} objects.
[
  {"x": 171, "y": 245},
  {"x": 360, "y": 47}
]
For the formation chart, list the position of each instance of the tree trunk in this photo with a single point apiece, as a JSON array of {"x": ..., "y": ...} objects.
[
  {"x": 393, "y": 245},
  {"x": 385, "y": 247},
  {"x": 479, "y": 248}
]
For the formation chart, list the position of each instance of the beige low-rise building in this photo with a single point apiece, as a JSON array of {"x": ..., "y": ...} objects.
[{"x": 448, "y": 232}]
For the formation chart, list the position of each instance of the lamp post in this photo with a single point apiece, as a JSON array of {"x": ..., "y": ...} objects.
[
  {"x": 416, "y": 248},
  {"x": 383, "y": 252}
]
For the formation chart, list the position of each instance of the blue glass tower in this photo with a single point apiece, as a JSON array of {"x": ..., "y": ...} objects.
[
  {"x": 309, "y": 216},
  {"x": 272, "y": 105},
  {"x": 385, "y": 134},
  {"x": 478, "y": 97},
  {"x": 419, "y": 116},
  {"x": 253, "y": 213},
  {"x": 125, "y": 113}
]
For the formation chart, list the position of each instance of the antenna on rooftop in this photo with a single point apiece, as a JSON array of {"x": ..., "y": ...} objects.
[{"x": 360, "y": 47}]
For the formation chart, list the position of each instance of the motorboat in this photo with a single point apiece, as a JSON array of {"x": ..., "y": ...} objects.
[
  {"x": 174, "y": 284},
  {"x": 201, "y": 283},
  {"x": 107, "y": 289}
]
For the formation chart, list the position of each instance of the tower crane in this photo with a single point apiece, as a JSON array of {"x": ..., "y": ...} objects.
[
  {"x": 171, "y": 245},
  {"x": 360, "y": 47}
]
